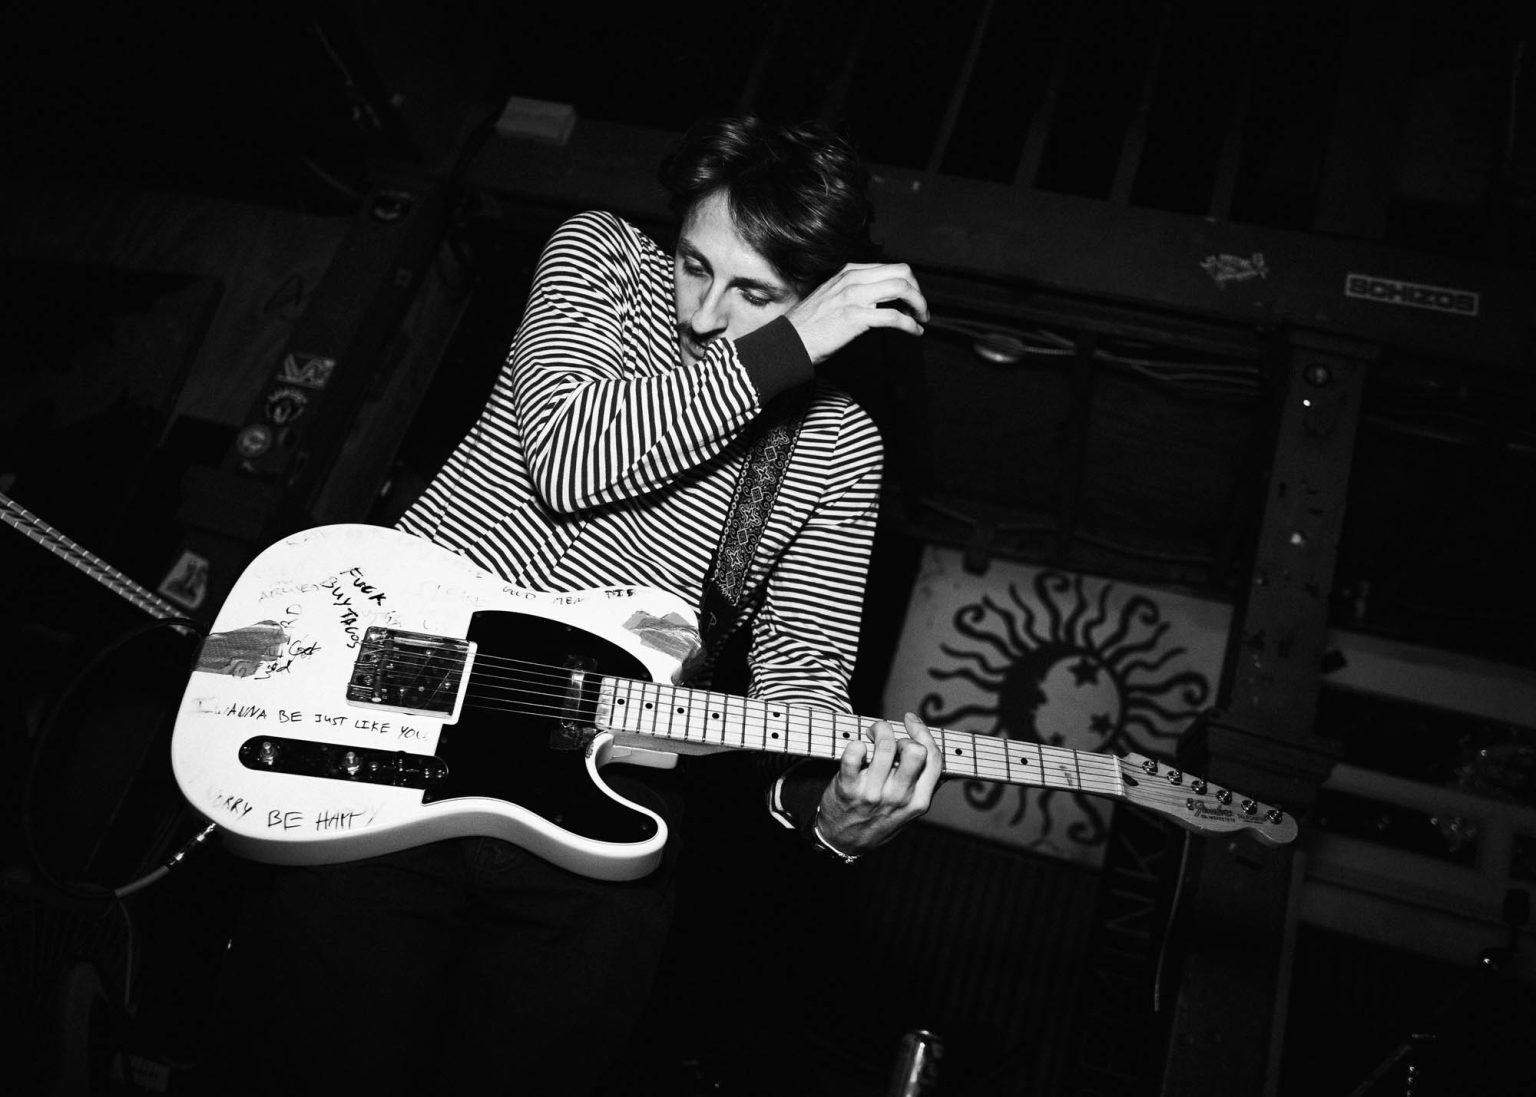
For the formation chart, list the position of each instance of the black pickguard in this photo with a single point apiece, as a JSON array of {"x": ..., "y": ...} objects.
[{"x": 507, "y": 755}]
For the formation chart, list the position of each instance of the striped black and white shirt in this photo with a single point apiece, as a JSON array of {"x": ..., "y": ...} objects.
[{"x": 600, "y": 459}]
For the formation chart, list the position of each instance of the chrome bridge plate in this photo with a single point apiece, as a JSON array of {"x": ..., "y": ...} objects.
[{"x": 411, "y": 672}]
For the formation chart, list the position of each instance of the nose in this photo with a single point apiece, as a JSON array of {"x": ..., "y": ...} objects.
[{"x": 712, "y": 317}]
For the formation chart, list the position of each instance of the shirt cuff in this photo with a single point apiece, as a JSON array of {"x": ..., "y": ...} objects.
[
  {"x": 776, "y": 806},
  {"x": 774, "y": 358},
  {"x": 794, "y": 795}
]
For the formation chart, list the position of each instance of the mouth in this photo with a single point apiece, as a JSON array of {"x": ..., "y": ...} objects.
[{"x": 692, "y": 349}]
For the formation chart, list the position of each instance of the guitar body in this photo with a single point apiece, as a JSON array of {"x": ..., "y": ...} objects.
[{"x": 308, "y": 739}]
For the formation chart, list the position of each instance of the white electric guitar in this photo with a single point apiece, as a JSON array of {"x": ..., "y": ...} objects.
[{"x": 363, "y": 690}]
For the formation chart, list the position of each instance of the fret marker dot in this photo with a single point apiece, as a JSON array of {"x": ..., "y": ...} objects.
[
  {"x": 680, "y": 708},
  {"x": 618, "y": 700},
  {"x": 1023, "y": 761},
  {"x": 958, "y": 751},
  {"x": 648, "y": 704},
  {"x": 775, "y": 735},
  {"x": 714, "y": 716}
]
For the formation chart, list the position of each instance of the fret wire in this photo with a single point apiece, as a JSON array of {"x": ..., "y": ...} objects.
[
  {"x": 704, "y": 713},
  {"x": 1109, "y": 771},
  {"x": 846, "y": 729},
  {"x": 700, "y": 705},
  {"x": 957, "y": 758},
  {"x": 982, "y": 757},
  {"x": 650, "y": 694},
  {"x": 736, "y": 724},
  {"x": 620, "y": 697},
  {"x": 617, "y": 716},
  {"x": 813, "y": 734},
  {"x": 608, "y": 692},
  {"x": 745, "y": 734},
  {"x": 832, "y": 742},
  {"x": 808, "y": 717},
  {"x": 760, "y": 710},
  {"x": 836, "y": 734},
  {"x": 992, "y": 753},
  {"x": 668, "y": 697},
  {"x": 775, "y": 728},
  {"x": 635, "y": 700},
  {"x": 724, "y": 723},
  {"x": 1030, "y": 757},
  {"x": 1058, "y": 764},
  {"x": 715, "y": 717},
  {"x": 977, "y": 750},
  {"x": 787, "y": 729},
  {"x": 680, "y": 713}
]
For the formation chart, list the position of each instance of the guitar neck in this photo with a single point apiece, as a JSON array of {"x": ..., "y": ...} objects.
[{"x": 717, "y": 721}]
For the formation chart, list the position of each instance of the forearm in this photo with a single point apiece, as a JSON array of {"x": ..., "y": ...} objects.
[
  {"x": 591, "y": 441},
  {"x": 594, "y": 434}
]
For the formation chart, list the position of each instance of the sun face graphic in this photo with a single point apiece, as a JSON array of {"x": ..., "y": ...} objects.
[{"x": 1066, "y": 668}]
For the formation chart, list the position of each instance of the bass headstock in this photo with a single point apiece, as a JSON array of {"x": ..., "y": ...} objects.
[{"x": 1196, "y": 804}]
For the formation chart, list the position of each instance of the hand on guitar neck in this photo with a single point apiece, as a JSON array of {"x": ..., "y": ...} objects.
[{"x": 880, "y": 786}]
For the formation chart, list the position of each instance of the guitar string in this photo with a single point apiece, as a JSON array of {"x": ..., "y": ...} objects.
[
  {"x": 528, "y": 687},
  {"x": 819, "y": 729},
  {"x": 524, "y": 687},
  {"x": 827, "y": 743},
  {"x": 1059, "y": 767}
]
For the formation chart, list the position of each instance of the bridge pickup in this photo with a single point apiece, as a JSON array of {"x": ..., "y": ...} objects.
[
  {"x": 411, "y": 672},
  {"x": 342, "y": 763}
]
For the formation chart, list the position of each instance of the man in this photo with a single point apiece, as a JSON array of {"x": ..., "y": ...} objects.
[{"x": 638, "y": 389}]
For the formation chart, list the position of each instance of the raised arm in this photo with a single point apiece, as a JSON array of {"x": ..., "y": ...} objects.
[{"x": 604, "y": 409}]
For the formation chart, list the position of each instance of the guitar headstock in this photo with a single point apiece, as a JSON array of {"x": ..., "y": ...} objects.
[{"x": 1197, "y": 805}]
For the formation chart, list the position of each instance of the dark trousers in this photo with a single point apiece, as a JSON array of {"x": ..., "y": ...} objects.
[{"x": 463, "y": 966}]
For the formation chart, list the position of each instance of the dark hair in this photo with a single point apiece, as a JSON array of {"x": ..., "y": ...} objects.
[{"x": 797, "y": 193}]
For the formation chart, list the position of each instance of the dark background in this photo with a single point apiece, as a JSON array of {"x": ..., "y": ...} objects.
[{"x": 179, "y": 179}]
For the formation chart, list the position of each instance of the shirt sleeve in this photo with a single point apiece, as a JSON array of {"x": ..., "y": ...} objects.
[{"x": 604, "y": 407}]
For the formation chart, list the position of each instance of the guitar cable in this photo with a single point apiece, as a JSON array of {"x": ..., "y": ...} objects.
[
  {"x": 82, "y": 890},
  {"x": 1172, "y": 920}
]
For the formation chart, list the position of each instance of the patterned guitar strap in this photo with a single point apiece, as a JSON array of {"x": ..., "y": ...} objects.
[{"x": 757, "y": 488}]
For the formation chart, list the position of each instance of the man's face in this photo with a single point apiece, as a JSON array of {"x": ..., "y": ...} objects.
[{"x": 723, "y": 286}]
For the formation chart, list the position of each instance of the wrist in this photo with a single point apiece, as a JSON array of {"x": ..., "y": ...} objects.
[{"x": 822, "y": 843}]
